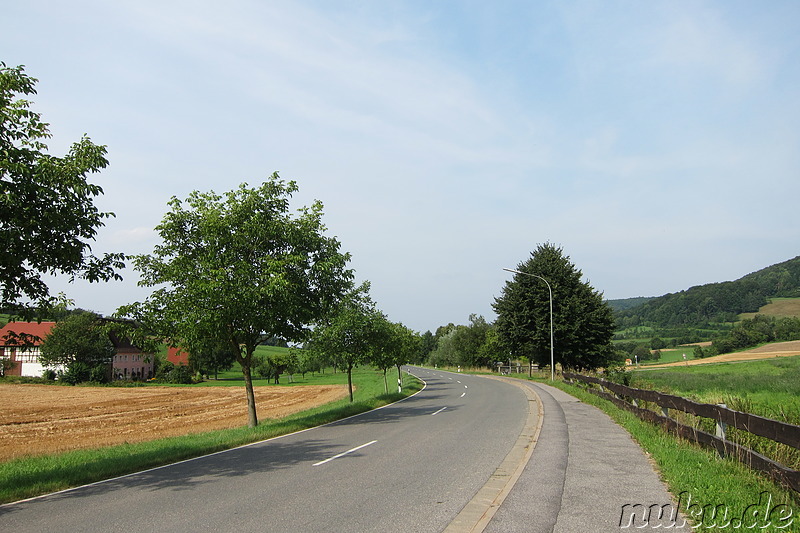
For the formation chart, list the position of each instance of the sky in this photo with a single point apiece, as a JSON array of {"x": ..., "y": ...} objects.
[{"x": 656, "y": 142}]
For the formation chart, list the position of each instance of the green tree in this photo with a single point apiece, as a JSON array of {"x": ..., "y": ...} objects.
[
  {"x": 349, "y": 335},
  {"x": 656, "y": 343},
  {"x": 240, "y": 269},
  {"x": 582, "y": 322},
  {"x": 427, "y": 343},
  {"x": 81, "y": 343},
  {"x": 394, "y": 346},
  {"x": 211, "y": 357},
  {"x": 445, "y": 353},
  {"x": 48, "y": 214},
  {"x": 469, "y": 340}
]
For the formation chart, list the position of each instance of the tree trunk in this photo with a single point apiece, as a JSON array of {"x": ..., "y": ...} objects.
[
  {"x": 399, "y": 381},
  {"x": 252, "y": 419},
  {"x": 350, "y": 381},
  {"x": 385, "y": 383}
]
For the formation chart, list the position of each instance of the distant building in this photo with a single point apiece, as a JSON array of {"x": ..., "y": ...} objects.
[
  {"x": 130, "y": 362},
  {"x": 20, "y": 343}
]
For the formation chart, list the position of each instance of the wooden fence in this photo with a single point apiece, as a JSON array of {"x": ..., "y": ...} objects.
[{"x": 628, "y": 398}]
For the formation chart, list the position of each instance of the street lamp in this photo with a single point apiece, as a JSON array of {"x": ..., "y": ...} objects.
[{"x": 550, "y": 291}]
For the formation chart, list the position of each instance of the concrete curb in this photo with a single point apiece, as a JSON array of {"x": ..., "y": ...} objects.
[{"x": 477, "y": 514}]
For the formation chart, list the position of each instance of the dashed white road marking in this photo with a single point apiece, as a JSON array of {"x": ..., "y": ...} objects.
[{"x": 344, "y": 453}]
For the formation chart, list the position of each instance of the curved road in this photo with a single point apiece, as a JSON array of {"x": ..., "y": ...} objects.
[{"x": 411, "y": 466}]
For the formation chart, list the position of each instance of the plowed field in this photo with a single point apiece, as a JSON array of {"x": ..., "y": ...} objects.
[{"x": 38, "y": 419}]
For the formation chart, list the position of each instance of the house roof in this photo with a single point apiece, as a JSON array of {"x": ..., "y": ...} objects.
[{"x": 36, "y": 329}]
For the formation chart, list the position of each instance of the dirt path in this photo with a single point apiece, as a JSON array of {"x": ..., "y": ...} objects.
[
  {"x": 38, "y": 419},
  {"x": 776, "y": 349}
]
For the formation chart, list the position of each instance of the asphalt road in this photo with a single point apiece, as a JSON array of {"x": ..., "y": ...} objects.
[{"x": 411, "y": 466}]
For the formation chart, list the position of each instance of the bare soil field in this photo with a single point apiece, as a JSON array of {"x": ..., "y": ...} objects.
[
  {"x": 40, "y": 419},
  {"x": 776, "y": 349}
]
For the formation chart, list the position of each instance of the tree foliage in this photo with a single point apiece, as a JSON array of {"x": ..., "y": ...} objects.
[
  {"x": 81, "y": 343},
  {"x": 395, "y": 345},
  {"x": 760, "y": 329},
  {"x": 472, "y": 345},
  {"x": 239, "y": 269},
  {"x": 582, "y": 322},
  {"x": 47, "y": 211},
  {"x": 349, "y": 335},
  {"x": 211, "y": 357}
]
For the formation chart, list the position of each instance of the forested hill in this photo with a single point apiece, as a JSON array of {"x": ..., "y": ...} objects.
[{"x": 716, "y": 302}]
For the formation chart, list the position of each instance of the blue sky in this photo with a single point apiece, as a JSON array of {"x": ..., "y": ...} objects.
[{"x": 656, "y": 142}]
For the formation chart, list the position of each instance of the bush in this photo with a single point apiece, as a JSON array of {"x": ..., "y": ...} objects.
[
  {"x": 656, "y": 343},
  {"x": 176, "y": 374},
  {"x": 99, "y": 374},
  {"x": 619, "y": 375},
  {"x": 76, "y": 373},
  {"x": 49, "y": 374}
]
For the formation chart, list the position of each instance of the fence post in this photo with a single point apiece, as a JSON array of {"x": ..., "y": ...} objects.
[{"x": 721, "y": 429}]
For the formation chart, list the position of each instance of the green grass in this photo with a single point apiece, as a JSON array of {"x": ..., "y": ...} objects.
[
  {"x": 777, "y": 307},
  {"x": 772, "y": 385},
  {"x": 672, "y": 355},
  {"x": 768, "y": 387},
  {"x": 28, "y": 477}
]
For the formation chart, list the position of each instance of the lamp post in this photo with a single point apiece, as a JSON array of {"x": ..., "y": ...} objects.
[{"x": 550, "y": 291}]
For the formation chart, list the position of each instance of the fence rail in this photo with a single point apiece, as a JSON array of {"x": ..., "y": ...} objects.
[{"x": 774, "y": 430}]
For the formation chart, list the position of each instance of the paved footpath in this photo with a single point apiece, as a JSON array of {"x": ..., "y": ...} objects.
[{"x": 583, "y": 472}]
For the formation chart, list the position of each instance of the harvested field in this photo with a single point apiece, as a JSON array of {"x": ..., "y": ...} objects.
[
  {"x": 40, "y": 419},
  {"x": 776, "y": 349}
]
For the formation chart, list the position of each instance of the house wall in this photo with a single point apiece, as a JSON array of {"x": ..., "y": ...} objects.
[
  {"x": 36, "y": 369},
  {"x": 132, "y": 366}
]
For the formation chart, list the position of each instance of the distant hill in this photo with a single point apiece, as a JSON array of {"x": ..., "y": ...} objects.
[
  {"x": 627, "y": 303},
  {"x": 715, "y": 303}
]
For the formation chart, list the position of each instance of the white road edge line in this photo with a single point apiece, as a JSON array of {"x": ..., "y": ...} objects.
[
  {"x": 344, "y": 453},
  {"x": 439, "y": 411}
]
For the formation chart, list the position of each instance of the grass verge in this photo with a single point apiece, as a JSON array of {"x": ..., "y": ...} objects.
[{"x": 33, "y": 476}]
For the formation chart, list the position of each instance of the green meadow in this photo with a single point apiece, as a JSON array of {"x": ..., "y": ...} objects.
[{"x": 768, "y": 387}]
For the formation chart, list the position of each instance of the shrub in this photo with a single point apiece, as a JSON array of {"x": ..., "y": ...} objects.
[
  {"x": 76, "y": 373},
  {"x": 99, "y": 374},
  {"x": 619, "y": 375},
  {"x": 178, "y": 374}
]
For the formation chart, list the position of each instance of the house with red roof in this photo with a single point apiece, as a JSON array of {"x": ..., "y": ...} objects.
[{"x": 20, "y": 343}]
